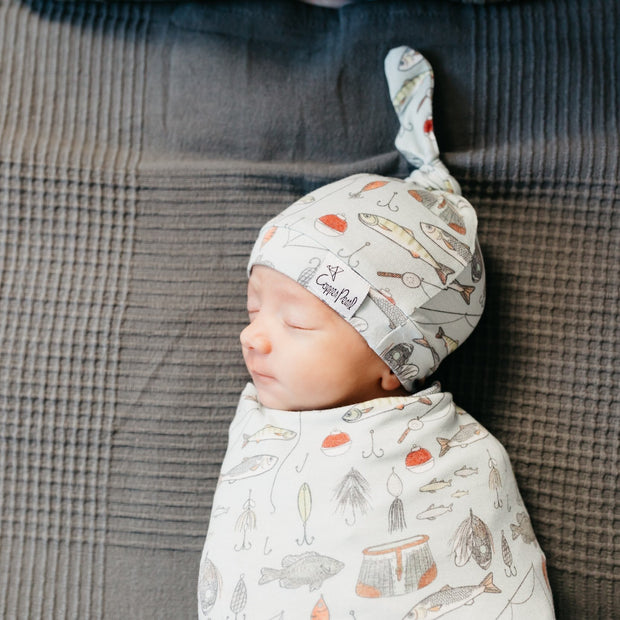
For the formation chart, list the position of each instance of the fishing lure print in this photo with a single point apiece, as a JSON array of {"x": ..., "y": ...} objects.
[
  {"x": 304, "y": 507},
  {"x": 396, "y": 514},
  {"x": 320, "y": 611},
  {"x": 352, "y": 495},
  {"x": 473, "y": 539},
  {"x": 239, "y": 598},
  {"x": 246, "y": 522},
  {"x": 331, "y": 224},
  {"x": 419, "y": 460},
  {"x": 336, "y": 443},
  {"x": 368, "y": 187},
  {"x": 308, "y": 569},
  {"x": 511, "y": 569},
  {"x": 388, "y": 404},
  {"x": 495, "y": 481},
  {"x": 409, "y": 279}
]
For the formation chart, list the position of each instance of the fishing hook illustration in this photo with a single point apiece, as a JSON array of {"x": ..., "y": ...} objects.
[
  {"x": 221, "y": 510},
  {"x": 388, "y": 204},
  {"x": 498, "y": 503},
  {"x": 299, "y": 469},
  {"x": 372, "y": 447},
  {"x": 349, "y": 256},
  {"x": 265, "y": 552},
  {"x": 511, "y": 571},
  {"x": 305, "y": 540},
  {"x": 244, "y": 546},
  {"x": 346, "y": 520}
]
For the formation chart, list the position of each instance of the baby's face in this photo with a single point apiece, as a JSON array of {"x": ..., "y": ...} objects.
[{"x": 301, "y": 354}]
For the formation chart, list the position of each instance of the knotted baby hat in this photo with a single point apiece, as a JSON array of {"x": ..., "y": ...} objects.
[{"x": 398, "y": 259}]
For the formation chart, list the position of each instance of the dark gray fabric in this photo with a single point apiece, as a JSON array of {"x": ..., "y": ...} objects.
[{"x": 141, "y": 148}]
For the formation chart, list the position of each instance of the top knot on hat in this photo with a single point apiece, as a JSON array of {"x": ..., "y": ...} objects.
[{"x": 398, "y": 260}]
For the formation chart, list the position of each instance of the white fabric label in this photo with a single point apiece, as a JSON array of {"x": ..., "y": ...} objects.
[{"x": 339, "y": 286}]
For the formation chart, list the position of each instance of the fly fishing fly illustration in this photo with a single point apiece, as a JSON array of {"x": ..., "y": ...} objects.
[
  {"x": 495, "y": 481},
  {"x": 351, "y": 495},
  {"x": 246, "y": 522},
  {"x": 473, "y": 539}
]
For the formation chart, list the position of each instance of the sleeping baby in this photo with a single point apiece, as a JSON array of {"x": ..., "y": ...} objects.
[{"x": 350, "y": 490}]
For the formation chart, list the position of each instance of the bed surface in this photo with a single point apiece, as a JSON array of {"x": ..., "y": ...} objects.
[{"x": 143, "y": 145}]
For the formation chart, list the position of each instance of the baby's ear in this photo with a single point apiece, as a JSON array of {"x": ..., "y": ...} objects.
[{"x": 389, "y": 381}]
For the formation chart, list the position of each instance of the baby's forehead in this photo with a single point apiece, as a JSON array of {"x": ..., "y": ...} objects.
[{"x": 269, "y": 285}]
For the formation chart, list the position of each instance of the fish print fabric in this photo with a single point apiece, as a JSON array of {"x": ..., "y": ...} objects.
[
  {"x": 400, "y": 507},
  {"x": 398, "y": 259}
]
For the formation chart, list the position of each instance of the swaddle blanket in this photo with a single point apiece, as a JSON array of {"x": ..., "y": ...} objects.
[{"x": 401, "y": 507}]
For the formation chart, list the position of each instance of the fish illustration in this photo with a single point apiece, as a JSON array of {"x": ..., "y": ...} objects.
[
  {"x": 356, "y": 414},
  {"x": 523, "y": 527},
  {"x": 307, "y": 569},
  {"x": 394, "y": 314},
  {"x": 435, "y": 485},
  {"x": 405, "y": 238},
  {"x": 403, "y": 96},
  {"x": 450, "y": 343},
  {"x": 460, "y": 493},
  {"x": 448, "y": 599},
  {"x": 463, "y": 290},
  {"x": 467, "y": 434},
  {"x": 466, "y": 471},
  {"x": 409, "y": 59},
  {"x": 432, "y": 512},
  {"x": 457, "y": 249},
  {"x": 446, "y": 211},
  {"x": 268, "y": 432},
  {"x": 251, "y": 466}
]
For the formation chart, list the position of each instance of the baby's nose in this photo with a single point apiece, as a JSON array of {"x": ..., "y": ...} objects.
[{"x": 253, "y": 338}]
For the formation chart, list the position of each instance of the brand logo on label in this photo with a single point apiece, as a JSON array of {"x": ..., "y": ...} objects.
[{"x": 339, "y": 286}]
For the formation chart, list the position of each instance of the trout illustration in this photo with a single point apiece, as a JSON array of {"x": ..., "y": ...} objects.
[{"x": 405, "y": 239}]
